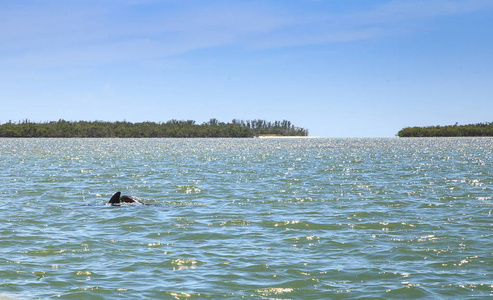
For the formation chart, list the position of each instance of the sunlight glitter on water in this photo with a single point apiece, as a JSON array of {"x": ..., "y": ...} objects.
[{"x": 259, "y": 218}]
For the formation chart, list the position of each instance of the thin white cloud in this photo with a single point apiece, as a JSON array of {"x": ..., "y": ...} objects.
[
  {"x": 414, "y": 10},
  {"x": 100, "y": 32},
  {"x": 47, "y": 38},
  {"x": 389, "y": 19}
]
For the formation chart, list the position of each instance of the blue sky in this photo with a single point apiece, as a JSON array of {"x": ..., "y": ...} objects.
[{"x": 340, "y": 68}]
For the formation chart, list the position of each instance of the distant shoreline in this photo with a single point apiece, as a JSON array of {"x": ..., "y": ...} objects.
[
  {"x": 470, "y": 130},
  {"x": 170, "y": 129}
]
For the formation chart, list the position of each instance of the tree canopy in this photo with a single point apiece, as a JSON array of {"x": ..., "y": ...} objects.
[
  {"x": 480, "y": 129},
  {"x": 172, "y": 128}
]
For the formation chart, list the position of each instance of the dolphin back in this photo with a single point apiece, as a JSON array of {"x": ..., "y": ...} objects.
[
  {"x": 130, "y": 200},
  {"x": 118, "y": 199}
]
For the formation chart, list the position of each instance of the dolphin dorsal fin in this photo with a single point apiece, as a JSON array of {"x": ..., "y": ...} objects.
[{"x": 115, "y": 198}]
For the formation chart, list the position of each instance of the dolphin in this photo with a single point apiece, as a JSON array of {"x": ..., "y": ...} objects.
[{"x": 117, "y": 199}]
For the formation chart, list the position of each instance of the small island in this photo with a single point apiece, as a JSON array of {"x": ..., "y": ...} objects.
[
  {"x": 169, "y": 129},
  {"x": 471, "y": 130}
]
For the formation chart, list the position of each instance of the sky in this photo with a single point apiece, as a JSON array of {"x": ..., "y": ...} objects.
[{"x": 339, "y": 68}]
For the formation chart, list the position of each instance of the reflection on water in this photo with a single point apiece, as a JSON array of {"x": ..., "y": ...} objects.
[{"x": 260, "y": 218}]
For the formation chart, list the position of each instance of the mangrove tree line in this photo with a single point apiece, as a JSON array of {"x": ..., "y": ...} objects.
[
  {"x": 172, "y": 128},
  {"x": 480, "y": 129}
]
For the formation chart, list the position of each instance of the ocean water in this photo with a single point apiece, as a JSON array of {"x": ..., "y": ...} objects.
[{"x": 247, "y": 218}]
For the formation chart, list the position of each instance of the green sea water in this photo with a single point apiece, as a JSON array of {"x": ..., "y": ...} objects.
[{"x": 247, "y": 218}]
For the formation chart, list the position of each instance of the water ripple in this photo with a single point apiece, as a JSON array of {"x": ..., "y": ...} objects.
[{"x": 251, "y": 218}]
